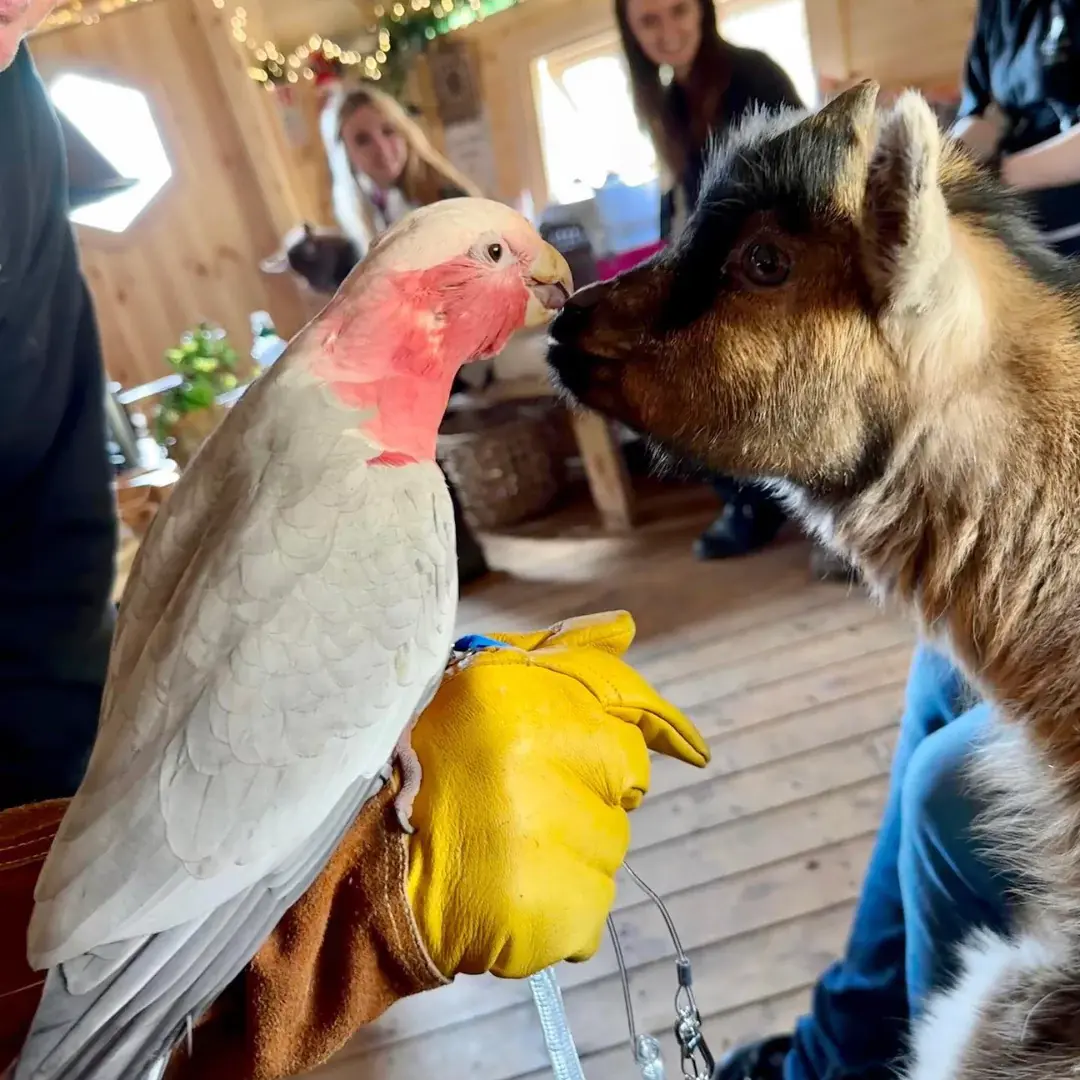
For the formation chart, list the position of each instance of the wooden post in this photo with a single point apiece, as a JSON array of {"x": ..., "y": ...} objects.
[{"x": 606, "y": 470}]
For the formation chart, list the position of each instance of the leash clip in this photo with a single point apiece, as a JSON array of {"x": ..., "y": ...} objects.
[
  {"x": 688, "y": 1031},
  {"x": 687, "y": 1028}
]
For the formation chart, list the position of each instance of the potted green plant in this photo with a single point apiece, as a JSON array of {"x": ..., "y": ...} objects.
[{"x": 188, "y": 412}]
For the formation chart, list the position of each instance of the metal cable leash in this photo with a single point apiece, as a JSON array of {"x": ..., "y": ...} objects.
[{"x": 687, "y": 1028}]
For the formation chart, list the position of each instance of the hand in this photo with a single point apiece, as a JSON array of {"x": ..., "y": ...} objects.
[
  {"x": 532, "y": 756},
  {"x": 1049, "y": 164},
  {"x": 981, "y": 134},
  {"x": 1011, "y": 171}
]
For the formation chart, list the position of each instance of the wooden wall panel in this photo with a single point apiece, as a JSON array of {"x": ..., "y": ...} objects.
[
  {"x": 901, "y": 42},
  {"x": 915, "y": 42},
  {"x": 193, "y": 254}
]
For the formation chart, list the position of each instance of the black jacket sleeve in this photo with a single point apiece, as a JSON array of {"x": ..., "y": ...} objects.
[
  {"x": 975, "y": 94},
  {"x": 58, "y": 541},
  {"x": 771, "y": 85}
]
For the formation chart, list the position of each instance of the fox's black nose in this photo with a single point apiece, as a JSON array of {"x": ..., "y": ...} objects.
[{"x": 577, "y": 313}]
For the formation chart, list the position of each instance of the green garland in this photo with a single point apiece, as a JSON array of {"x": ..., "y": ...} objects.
[
  {"x": 416, "y": 29},
  {"x": 206, "y": 362}
]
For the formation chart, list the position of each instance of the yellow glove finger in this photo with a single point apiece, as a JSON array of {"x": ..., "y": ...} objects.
[
  {"x": 629, "y": 775},
  {"x": 609, "y": 631},
  {"x": 619, "y": 689},
  {"x": 588, "y": 773}
]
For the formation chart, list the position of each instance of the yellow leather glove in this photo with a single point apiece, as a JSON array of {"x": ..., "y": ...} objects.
[{"x": 531, "y": 758}]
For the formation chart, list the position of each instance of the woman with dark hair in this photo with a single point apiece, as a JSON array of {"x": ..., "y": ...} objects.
[{"x": 689, "y": 84}]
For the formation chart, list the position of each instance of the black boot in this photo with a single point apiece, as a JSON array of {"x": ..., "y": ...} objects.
[
  {"x": 762, "y": 1060},
  {"x": 749, "y": 521}
]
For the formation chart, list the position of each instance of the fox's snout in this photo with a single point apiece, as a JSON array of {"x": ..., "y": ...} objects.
[{"x": 569, "y": 354}]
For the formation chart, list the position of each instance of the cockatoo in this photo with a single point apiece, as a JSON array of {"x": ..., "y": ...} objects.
[{"x": 290, "y": 614}]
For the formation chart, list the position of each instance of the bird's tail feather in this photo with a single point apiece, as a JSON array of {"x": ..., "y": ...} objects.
[{"x": 126, "y": 1027}]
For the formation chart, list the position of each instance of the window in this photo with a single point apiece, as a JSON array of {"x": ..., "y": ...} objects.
[
  {"x": 116, "y": 121},
  {"x": 587, "y": 123},
  {"x": 777, "y": 27}
]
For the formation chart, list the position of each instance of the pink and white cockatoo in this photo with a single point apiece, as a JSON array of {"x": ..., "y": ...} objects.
[{"x": 289, "y": 615}]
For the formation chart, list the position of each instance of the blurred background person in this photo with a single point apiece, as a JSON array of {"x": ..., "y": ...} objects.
[
  {"x": 688, "y": 84},
  {"x": 382, "y": 163},
  {"x": 1020, "y": 103}
]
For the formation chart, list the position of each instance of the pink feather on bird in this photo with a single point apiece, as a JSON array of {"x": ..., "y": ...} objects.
[{"x": 397, "y": 351}]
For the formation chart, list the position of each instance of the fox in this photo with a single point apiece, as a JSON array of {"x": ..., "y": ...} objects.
[{"x": 861, "y": 316}]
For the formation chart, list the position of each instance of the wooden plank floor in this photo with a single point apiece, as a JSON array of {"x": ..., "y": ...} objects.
[{"x": 798, "y": 687}]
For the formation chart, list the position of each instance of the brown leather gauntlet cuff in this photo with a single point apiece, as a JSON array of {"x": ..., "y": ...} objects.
[
  {"x": 345, "y": 952},
  {"x": 26, "y": 832}
]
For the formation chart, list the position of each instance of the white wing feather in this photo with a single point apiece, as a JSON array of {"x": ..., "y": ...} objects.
[{"x": 287, "y": 616}]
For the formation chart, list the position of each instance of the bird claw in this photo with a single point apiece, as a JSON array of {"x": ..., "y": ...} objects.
[{"x": 409, "y": 764}]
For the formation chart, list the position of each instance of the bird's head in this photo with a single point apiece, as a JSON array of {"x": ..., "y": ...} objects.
[
  {"x": 448, "y": 284},
  {"x": 473, "y": 271}
]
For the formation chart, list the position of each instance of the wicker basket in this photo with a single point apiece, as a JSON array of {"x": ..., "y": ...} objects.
[{"x": 503, "y": 459}]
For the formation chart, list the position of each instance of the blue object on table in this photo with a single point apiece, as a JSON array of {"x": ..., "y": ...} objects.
[{"x": 628, "y": 214}]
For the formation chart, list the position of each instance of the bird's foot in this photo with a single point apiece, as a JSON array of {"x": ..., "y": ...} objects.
[{"x": 409, "y": 764}]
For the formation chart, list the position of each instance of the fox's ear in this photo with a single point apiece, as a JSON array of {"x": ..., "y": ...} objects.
[
  {"x": 851, "y": 116},
  {"x": 905, "y": 222}
]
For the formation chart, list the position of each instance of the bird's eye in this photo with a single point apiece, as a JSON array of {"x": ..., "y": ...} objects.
[
  {"x": 494, "y": 252},
  {"x": 765, "y": 264}
]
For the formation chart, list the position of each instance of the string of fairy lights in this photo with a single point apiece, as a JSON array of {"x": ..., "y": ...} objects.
[
  {"x": 270, "y": 64},
  {"x": 401, "y": 27},
  {"x": 78, "y": 11}
]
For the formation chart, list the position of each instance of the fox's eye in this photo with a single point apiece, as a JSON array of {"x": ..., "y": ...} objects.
[
  {"x": 494, "y": 252},
  {"x": 765, "y": 264}
]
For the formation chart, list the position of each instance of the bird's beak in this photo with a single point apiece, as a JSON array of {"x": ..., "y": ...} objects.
[{"x": 550, "y": 286}]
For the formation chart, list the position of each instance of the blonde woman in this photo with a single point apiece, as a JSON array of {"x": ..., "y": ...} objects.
[{"x": 382, "y": 163}]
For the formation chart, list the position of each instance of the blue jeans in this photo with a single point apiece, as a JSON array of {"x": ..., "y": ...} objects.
[{"x": 926, "y": 887}]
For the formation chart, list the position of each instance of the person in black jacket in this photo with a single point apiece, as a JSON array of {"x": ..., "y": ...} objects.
[
  {"x": 1021, "y": 103},
  {"x": 688, "y": 84},
  {"x": 58, "y": 538}
]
